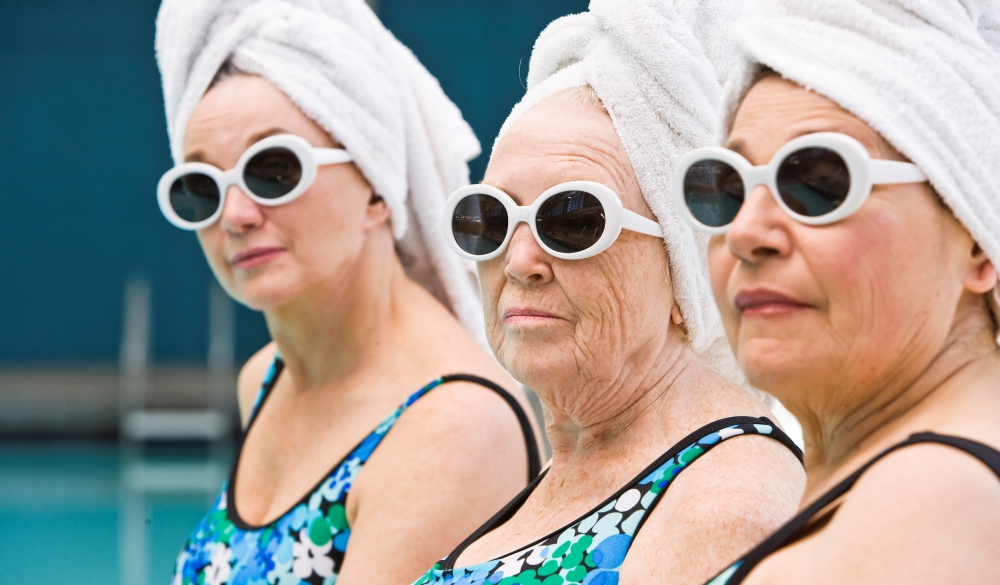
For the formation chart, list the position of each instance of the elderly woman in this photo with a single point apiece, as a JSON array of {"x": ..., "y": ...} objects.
[
  {"x": 854, "y": 262},
  {"x": 309, "y": 139},
  {"x": 647, "y": 482}
]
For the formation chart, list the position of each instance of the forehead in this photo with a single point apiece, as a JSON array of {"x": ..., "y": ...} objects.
[
  {"x": 559, "y": 141},
  {"x": 239, "y": 111},
  {"x": 776, "y": 111}
]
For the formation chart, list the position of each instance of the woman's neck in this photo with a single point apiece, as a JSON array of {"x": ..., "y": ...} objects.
[
  {"x": 912, "y": 400},
  {"x": 337, "y": 328},
  {"x": 638, "y": 404}
]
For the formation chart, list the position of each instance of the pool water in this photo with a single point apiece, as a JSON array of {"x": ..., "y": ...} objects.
[{"x": 92, "y": 513}]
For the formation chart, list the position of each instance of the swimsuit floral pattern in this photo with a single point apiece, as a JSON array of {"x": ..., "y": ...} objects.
[
  {"x": 592, "y": 550},
  {"x": 304, "y": 546}
]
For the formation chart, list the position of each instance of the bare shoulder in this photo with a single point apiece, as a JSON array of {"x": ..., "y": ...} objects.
[
  {"x": 726, "y": 502},
  {"x": 250, "y": 378},
  {"x": 453, "y": 459},
  {"x": 927, "y": 513},
  {"x": 462, "y": 422}
]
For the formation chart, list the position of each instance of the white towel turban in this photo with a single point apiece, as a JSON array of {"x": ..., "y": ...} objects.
[
  {"x": 657, "y": 66},
  {"x": 925, "y": 74},
  {"x": 343, "y": 69}
]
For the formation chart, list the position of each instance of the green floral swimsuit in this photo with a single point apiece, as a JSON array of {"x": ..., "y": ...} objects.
[
  {"x": 803, "y": 524},
  {"x": 306, "y": 545},
  {"x": 592, "y": 549}
]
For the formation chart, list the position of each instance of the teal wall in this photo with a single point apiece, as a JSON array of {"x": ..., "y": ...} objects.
[{"x": 83, "y": 142}]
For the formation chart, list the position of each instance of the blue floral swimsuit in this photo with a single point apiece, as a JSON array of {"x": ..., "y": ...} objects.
[
  {"x": 305, "y": 545},
  {"x": 820, "y": 512},
  {"x": 592, "y": 549}
]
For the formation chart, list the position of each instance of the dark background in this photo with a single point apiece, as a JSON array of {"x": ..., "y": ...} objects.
[{"x": 83, "y": 143}]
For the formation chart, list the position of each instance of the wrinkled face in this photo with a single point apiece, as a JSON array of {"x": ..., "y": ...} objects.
[
  {"x": 865, "y": 303},
  {"x": 265, "y": 257},
  {"x": 569, "y": 323}
]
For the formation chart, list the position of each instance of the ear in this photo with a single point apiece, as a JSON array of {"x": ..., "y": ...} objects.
[
  {"x": 981, "y": 277},
  {"x": 675, "y": 315},
  {"x": 377, "y": 213}
]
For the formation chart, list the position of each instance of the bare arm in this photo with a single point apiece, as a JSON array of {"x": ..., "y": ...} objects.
[
  {"x": 453, "y": 459},
  {"x": 926, "y": 514},
  {"x": 730, "y": 499}
]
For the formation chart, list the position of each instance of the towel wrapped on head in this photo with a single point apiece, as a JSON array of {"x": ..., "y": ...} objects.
[
  {"x": 349, "y": 74},
  {"x": 657, "y": 66},
  {"x": 925, "y": 74}
]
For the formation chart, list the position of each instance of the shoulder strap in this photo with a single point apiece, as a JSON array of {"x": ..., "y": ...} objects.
[
  {"x": 534, "y": 457},
  {"x": 270, "y": 379},
  {"x": 985, "y": 453},
  {"x": 498, "y": 519},
  {"x": 660, "y": 472},
  {"x": 679, "y": 457}
]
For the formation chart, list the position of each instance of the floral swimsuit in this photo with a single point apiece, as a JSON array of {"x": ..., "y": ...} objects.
[
  {"x": 803, "y": 524},
  {"x": 592, "y": 549},
  {"x": 305, "y": 545}
]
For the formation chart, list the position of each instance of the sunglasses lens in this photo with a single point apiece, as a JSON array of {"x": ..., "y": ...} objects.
[
  {"x": 570, "y": 222},
  {"x": 813, "y": 181},
  {"x": 194, "y": 197},
  {"x": 479, "y": 223},
  {"x": 713, "y": 191},
  {"x": 273, "y": 173}
]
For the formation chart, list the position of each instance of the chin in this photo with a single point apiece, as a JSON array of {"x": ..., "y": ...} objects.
[
  {"x": 779, "y": 371},
  {"x": 261, "y": 295},
  {"x": 537, "y": 365}
]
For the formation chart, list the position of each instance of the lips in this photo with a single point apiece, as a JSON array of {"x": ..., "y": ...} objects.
[
  {"x": 766, "y": 302},
  {"x": 254, "y": 257},
  {"x": 524, "y": 314}
]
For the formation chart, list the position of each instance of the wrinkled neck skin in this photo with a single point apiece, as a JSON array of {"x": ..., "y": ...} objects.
[
  {"x": 341, "y": 326},
  {"x": 590, "y": 422},
  {"x": 960, "y": 379}
]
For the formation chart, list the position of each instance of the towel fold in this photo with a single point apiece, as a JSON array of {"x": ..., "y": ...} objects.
[
  {"x": 925, "y": 74},
  {"x": 349, "y": 74},
  {"x": 657, "y": 65}
]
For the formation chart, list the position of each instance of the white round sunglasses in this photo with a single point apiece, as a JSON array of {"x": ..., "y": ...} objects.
[
  {"x": 571, "y": 221},
  {"x": 274, "y": 171},
  {"x": 817, "y": 179}
]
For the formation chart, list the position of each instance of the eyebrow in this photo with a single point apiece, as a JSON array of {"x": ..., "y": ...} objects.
[
  {"x": 739, "y": 144},
  {"x": 501, "y": 187},
  {"x": 199, "y": 156}
]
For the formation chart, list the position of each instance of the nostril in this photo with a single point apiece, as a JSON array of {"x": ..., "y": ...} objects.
[{"x": 765, "y": 251}]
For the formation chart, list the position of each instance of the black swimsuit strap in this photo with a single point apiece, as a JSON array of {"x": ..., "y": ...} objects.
[
  {"x": 508, "y": 511},
  {"x": 985, "y": 453},
  {"x": 534, "y": 457}
]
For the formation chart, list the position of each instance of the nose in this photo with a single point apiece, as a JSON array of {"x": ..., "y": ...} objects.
[
  {"x": 240, "y": 214},
  {"x": 760, "y": 229},
  {"x": 527, "y": 264}
]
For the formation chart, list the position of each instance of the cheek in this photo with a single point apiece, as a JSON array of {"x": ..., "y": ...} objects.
[
  {"x": 622, "y": 297},
  {"x": 491, "y": 283},
  {"x": 721, "y": 265},
  {"x": 212, "y": 240},
  {"x": 323, "y": 228}
]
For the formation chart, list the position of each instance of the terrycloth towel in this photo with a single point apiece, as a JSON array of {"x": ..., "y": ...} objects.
[
  {"x": 657, "y": 66},
  {"x": 925, "y": 74},
  {"x": 350, "y": 75}
]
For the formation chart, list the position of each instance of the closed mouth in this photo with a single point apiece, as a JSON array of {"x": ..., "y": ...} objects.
[
  {"x": 522, "y": 314},
  {"x": 254, "y": 256},
  {"x": 766, "y": 302}
]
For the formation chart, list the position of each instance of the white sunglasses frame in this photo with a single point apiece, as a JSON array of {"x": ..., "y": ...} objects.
[
  {"x": 864, "y": 172},
  {"x": 310, "y": 158},
  {"x": 616, "y": 218}
]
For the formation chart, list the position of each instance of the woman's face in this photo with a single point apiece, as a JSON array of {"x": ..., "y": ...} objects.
[
  {"x": 265, "y": 257},
  {"x": 869, "y": 300},
  {"x": 572, "y": 323}
]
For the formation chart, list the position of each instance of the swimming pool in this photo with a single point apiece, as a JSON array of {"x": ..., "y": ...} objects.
[{"x": 99, "y": 513}]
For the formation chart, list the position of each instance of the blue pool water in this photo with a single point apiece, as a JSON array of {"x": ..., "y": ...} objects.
[{"x": 101, "y": 513}]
